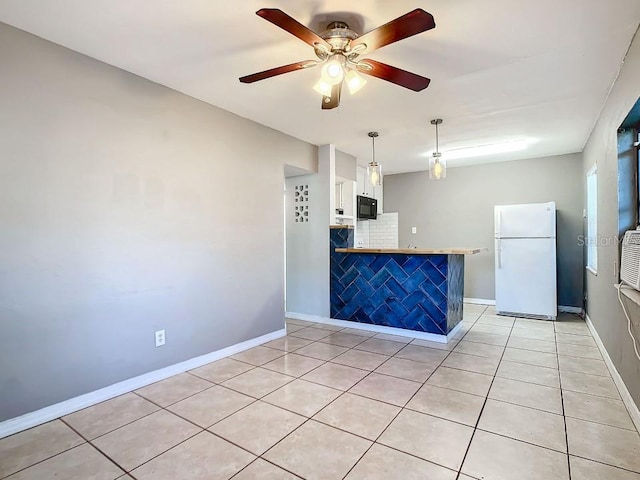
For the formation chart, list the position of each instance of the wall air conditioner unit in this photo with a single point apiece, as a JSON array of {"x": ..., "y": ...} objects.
[{"x": 630, "y": 262}]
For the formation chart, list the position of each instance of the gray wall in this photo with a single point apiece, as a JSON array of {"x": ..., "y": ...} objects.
[
  {"x": 126, "y": 207},
  {"x": 458, "y": 211},
  {"x": 602, "y": 303},
  {"x": 307, "y": 274},
  {"x": 307, "y": 279}
]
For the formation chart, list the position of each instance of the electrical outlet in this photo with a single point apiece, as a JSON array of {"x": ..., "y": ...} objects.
[
  {"x": 160, "y": 338},
  {"x": 414, "y": 230}
]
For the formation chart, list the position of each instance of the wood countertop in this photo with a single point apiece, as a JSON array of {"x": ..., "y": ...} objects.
[{"x": 416, "y": 251}]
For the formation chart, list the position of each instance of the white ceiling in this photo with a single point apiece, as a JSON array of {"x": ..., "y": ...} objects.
[{"x": 500, "y": 69}]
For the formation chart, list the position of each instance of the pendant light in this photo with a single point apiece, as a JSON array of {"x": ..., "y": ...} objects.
[
  {"x": 374, "y": 169},
  {"x": 437, "y": 164}
]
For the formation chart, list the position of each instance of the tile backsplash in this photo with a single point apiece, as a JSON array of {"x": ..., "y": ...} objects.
[{"x": 380, "y": 233}]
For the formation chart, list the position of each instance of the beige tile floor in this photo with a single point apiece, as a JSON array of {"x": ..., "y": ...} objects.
[{"x": 507, "y": 399}]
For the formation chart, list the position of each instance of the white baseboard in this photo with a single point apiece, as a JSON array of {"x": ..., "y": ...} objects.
[
  {"x": 32, "y": 419},
  {"x": 480, "y": 301},
  {"x": 401, "y": 332},
  {"x": 568, "y": 309},
  {"x": 632, "y": 408}
]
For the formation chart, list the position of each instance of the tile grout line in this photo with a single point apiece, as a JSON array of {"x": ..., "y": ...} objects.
[
  {"x": 403, "y": 408},
  {"x": 307, "y": 419},
  {"x": 375, "y": 442},
  {"x": 347, "y": 391},
  {"x": 90, "y": 442},
  {"x": 475, "y": 428},
  {"x": 85, "y": 442},
  {"x": 564, "y": 413},
  {"x": 98, "y": 449}
]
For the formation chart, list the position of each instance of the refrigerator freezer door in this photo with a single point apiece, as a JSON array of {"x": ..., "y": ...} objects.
[
  {"x": 536, "y": 220},
  {"x": 526, "y": 277}
]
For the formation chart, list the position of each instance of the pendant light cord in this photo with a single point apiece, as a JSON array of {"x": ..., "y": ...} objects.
[
  {"x": 437, "y": 145},
  {"x": 373, "y": 149}
]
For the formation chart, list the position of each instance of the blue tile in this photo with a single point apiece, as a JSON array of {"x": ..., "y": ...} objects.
[
  {"x": 379, "y": 278},
  {"x": 397, "y": 308},
  {"x": 348, "y": 293},
  {"x": 378, "y": 261},
  {"x": 413, "y": 299},
  {"x": 395, "y": 288},
  {"x": 361, "y": 317},
  {"x": 404, "y": 291},
  {"x": 411, "y": 263},
  {"x": 384, "y": 316},
  {"x": 364, "y": 286},
  {"x": 396, "y": 271},
  {"x": 350, "y": 275},
  {"x": 413, "y": 282}
]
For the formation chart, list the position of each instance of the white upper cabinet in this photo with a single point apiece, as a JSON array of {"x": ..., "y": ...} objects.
[{"x": 363, "y": 186}]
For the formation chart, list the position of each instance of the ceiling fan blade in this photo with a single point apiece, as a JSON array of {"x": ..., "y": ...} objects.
[
  {"x": 334, "y": 100},
  {"x": 395, "y": 75},
  {"x": 278, "y": 71},
  {"x": 409, "y": 24},
  {"x": 291, "y": 25}
]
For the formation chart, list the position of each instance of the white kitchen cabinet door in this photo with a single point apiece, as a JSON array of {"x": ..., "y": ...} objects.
[{"x": 361, "y": 177}]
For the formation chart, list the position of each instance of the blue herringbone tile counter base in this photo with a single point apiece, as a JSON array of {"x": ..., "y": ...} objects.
[{"x": 415, "y": 292}]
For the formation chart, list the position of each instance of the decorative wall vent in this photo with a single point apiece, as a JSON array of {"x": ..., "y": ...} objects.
[{"x": 301, "y": 200}]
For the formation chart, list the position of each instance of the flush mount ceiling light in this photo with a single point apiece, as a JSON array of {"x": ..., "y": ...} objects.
[
  {"x": 374, "y": 169},
  {"x": 437, "y": 164},
  {"x": 338, "y": 50},
  {"x": 492, "y": 149}
]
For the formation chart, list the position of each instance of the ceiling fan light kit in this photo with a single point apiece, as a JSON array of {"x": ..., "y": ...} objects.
[
  {"x": 354, "y": 81},
  {"x": 338, "y": 49}
]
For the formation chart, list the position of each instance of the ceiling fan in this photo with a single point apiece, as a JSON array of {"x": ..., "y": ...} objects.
[{"x": 338, "y": 49}]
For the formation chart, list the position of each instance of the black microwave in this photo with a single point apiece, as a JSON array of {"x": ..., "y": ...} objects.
[{"x": 367, "y": 208}]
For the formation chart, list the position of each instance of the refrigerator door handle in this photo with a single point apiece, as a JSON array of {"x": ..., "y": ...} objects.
[{"x": 499, "y": 252}]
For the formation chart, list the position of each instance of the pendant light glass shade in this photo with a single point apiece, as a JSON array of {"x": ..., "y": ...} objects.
[
  {"x": 437, "y": 164},
  {"x": 374, "y": 169},
  {"x": 437, "y": 167},
  {"x": 374, "y": 173}
]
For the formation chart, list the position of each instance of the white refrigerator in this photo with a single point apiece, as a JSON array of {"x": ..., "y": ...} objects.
[{"x": 525, "y": 243}]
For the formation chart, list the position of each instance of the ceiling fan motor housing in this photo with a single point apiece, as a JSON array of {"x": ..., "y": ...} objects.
[{"x": 339, "y": 36}]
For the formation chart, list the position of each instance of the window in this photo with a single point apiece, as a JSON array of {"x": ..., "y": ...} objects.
[{"x": 592, "y": 220}]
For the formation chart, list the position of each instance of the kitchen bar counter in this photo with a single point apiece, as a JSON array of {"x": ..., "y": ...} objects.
[
  {"x": 415, "y": 251},
  {"x": 411, "y": 289}
]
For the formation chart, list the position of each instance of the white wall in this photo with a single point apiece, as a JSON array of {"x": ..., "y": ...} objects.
[{"x": 125, "y": 208}]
